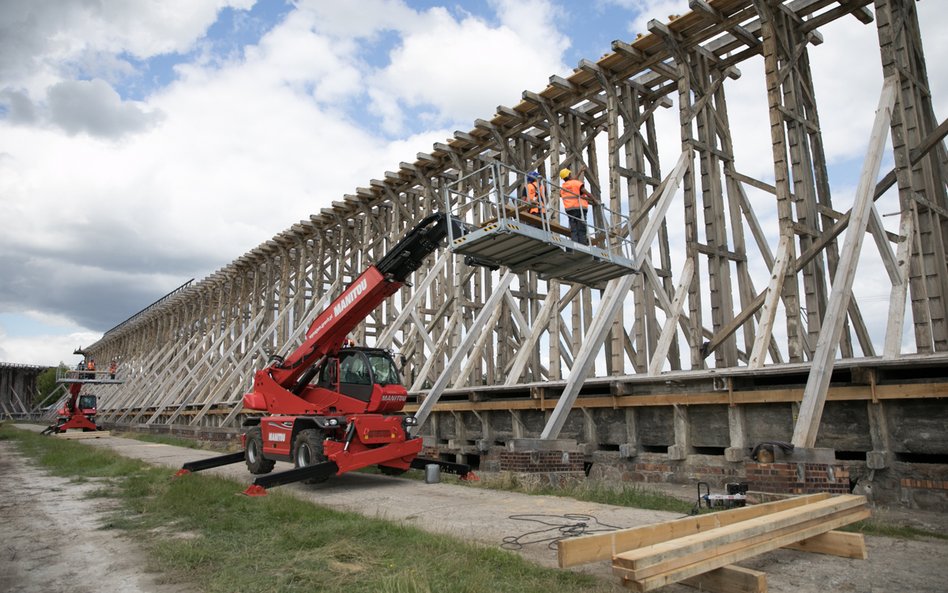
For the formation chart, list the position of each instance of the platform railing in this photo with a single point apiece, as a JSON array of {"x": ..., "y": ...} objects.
[
  {"x": 64, "y": 375},
  {"x": 493, "y": 193}
]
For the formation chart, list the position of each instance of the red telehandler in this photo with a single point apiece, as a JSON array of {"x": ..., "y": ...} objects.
[
  {"x": 77, "y": 413},
  {"x": 332, "y": 407}
]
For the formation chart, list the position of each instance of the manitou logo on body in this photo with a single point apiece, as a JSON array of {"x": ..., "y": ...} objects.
[
  {"x": 354, "y": 292},
  {"x": 394, "y": 398}
]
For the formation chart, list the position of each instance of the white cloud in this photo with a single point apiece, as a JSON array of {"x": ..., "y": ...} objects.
[
  {"x": 248, "y": 144},
  {"x": 42, "y": 39},
  {"x": 95, "y": 108},
  {"x": 46, "y": 350},
  {"x": 647, "y": 10},
  {"x": 455, "y": 70}
]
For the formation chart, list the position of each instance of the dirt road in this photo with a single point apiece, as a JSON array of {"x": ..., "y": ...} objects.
[
  {"x": 39, "y": 552},
  {"x": 51, "y": 539}
]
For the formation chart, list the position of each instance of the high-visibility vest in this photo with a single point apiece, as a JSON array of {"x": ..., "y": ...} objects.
[
  {"x": 572, "y": 195},
  {"x": 535, "y": 196}
]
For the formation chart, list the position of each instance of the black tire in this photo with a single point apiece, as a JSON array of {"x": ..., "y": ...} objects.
[
  {"x": 308, "y": 450},
  {"x": 391, "y": 471},
  {"x": 253, "y": 454}
]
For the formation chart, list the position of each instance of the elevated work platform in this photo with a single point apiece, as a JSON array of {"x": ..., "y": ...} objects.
[
  {"x": 64, "y": 376},
  {"x": 500, "y": 230}
]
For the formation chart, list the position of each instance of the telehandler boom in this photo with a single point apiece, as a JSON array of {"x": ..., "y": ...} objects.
[{"x": 332, "y": 407}]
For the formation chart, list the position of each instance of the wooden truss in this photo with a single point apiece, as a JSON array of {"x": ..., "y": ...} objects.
[{"x": 695, "y": 303}]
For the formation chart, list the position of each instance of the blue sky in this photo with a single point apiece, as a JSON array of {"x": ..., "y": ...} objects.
[{"x": 144, "y": 143}]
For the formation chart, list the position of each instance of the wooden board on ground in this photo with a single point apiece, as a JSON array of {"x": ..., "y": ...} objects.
[
  {"x": 655, "y": 573},
  {"x": 729, "y": 579},
  {"x": 835, "y": 543},
  {"x": 651, "y": 567},
  {"x": 92, "y": 434},
  {"x": 662, "y": 556},
  {"x": 603, "y": 546}
]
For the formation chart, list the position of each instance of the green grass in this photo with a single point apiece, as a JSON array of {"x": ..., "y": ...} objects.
[
  {"x": 874, "y": 527},
  {"x": 198, "y": 530},
  {"x": 622, "y": 495},
  {"x": 165, "y": 440}
]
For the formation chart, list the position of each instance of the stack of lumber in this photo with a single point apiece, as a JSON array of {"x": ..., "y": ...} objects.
[
  {"x": 700, "y": 550},
  {"x": 79, "y": 434}
]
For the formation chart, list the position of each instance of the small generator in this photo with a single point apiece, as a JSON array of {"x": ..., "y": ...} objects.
[{"x": 736, "y": 496}]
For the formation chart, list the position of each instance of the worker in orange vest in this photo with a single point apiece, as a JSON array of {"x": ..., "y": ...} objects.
[
  {"x": 90, "y": 367},
  {"x": 575, "y": 202},
  {"x": 534, "y": 195}
]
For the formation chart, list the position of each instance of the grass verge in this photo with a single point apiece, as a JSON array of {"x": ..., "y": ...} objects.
[
  {"x": 621, "y": 495},
  {"x": 198, "y": 531},
  {"x": 875, "y": 527},
  {"x": 173, "y": 441}
]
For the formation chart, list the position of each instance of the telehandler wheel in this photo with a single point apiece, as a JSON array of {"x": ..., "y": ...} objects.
[
  {"x": 308, "y": 450},
  {"x": 253, "y": 455}
]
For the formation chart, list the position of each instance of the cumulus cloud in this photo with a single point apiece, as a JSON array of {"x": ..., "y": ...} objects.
[
  {"x": 40, "y": 39},
  {"x": 455, "y": 70},
  {"x": 95, "y": 108},
  {"x": 19, "y": 107},
  {"x": 240, "y": 144},
  {"x": 47, "y": 349},
  {"x": 247, "y": 144}
]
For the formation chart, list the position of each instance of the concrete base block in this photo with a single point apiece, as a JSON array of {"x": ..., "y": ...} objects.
[
  {"x": 735, "y": 454},
  {"x": 628, "y": 450},
  {"x": 876, "y": 459},
  {"x": 519, "y": 445},
  {"x": 677, "y": 453}
]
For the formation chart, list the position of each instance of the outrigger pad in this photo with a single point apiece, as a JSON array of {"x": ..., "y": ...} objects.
[{"x": 460, "y": 469}]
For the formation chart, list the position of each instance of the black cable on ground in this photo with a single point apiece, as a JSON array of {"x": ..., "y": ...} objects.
[{"x": 559, "y": 527}]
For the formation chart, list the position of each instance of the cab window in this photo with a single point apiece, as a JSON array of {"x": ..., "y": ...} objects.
[
  {"x": 354, "y": 368},
  {"x": 384, "y": 370}
]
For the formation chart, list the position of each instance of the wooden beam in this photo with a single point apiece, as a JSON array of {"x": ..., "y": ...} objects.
[
  {"x": 774, "y": 291},
  {"x": 434, "y": 394},
  {"x": 611, "y": 303},
  {"x": 674, "y": 315},
  {"x": 844, "y": 544},
  {"x": 671, "y": 184},
  {"x": 893, "y": 331},
  {"x": 602, "y": 546},
  {"x": 729, "y": 579},
  {"x": 675, "y": 553},
  {"x": 672, "y": 561},
  {"x": 811, "y": 409}
]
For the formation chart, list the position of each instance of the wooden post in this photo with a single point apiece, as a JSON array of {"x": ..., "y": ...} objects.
[{"x": 821, "y": 370}]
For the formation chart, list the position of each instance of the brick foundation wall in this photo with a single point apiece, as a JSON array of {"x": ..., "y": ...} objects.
[
  {"x": 925, "y": 489},
  {"x": 656, "y": 468},
  {"x": 927, "y": 484},
  {"x": 541, "y": 461},
  {"x": 797, "y": 478}
]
